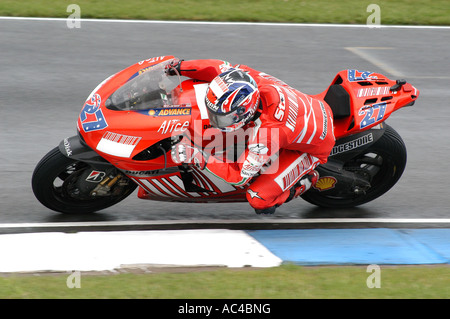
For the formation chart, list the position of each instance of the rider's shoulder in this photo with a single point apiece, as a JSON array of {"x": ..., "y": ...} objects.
[{"x": 270, "y": 96}]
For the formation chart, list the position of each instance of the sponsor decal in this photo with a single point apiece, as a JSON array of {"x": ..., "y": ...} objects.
[
  {"x": 325, "y": 121},
  {"x": 372, "y": 91},
  {"x": 250, "y": 170},
  {"x": 143, "y": 173},
  {"x": 152, "y": 60},
  {"x": 372, "y": 113},
  {"x": 171, "y": 126},
  {"x": 290, "y": 101},
  {"x": 258, "y": 148},
  {"x": 351, "y": 145},
  {"x": 141, "y": 71},
  {"x": 218, "y": 87},
  {"x": 210, "y": 104},
  {"x": 67, "y": 147},
  {"x": 325, "y": 183},
  {"x": 253, "y": 194},
  {"x": 356, "y": 75},
  {"x": 252, "y": 165},
  {"x": 291, "y": 120},
  {"x": 118, "y": 144},
  {"x": 281, "y": 108},
  {"x": 296, "y": 170},
  {"x": 95, "y": 177},
  {"x": 91, "y": 115},
  {"x": 175, "y": 111},
  {"x": 145, "y": 69}
]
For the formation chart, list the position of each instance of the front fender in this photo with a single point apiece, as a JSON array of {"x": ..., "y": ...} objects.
[{"x": 74, "y": 148}]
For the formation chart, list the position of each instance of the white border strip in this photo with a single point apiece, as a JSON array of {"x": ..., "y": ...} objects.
[
  {"x": 97, "y": 251},
  {"x": 226, "y": 221},
  {"x": 329, "y": 25}
]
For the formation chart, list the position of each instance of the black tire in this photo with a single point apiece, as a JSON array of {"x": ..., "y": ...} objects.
[
  {"x": 56, "y": 183},
  {"x": 390, "y": 154}
]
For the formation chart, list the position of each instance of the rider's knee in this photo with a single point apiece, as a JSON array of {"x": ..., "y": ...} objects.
[{"x": 261, "y": 200}]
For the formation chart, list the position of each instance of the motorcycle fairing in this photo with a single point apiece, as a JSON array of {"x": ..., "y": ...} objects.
[
  {"x": 73, "y": 147},
  {"x": 360, "y": 101},
  {"x": 190, "y": 186}
]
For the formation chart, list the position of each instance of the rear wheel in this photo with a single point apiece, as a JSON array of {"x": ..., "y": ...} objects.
[
  {"x": 382, "y": 165},
  {"x": 67, "y": 186}
]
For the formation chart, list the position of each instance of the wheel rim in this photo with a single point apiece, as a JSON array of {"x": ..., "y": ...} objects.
[
  {"x": 374, "y": 167},
  {"x": 69, "y": 186}
]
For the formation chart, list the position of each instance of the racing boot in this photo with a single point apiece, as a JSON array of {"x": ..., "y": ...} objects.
[{"x": 304, "y": 184}]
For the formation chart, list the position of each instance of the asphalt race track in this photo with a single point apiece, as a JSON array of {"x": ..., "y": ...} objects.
[{"x": 47, "y": 70}]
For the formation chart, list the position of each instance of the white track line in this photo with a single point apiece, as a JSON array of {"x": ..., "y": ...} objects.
[
  {"x": 231, "y": 222},
  {"x": 364, "y": 53},
  {"x": 327, "y": 25}
]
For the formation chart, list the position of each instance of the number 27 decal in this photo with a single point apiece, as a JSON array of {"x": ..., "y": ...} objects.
[
  {"x": 91, "y": 116},
  {"x": 372, "y": 113}
]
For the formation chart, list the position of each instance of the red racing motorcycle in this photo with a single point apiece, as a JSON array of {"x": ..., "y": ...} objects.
[{"x": 130, "y": 122}]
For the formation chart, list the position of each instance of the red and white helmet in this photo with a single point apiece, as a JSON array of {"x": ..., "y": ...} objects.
[{"x": 231, "y": 100}]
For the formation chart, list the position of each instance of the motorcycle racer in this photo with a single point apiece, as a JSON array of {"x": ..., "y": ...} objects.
[{"x": 291, "y": 132}]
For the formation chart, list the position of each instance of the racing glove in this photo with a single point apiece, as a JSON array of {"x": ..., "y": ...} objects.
[{"x": 183, "y": 153}]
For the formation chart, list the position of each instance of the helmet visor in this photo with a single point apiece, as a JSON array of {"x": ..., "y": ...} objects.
[{"x": 226, "y": 122}]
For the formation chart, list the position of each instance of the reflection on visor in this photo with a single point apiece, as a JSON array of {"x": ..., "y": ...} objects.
[
  {"x": 226, "y": 121},
  {"x": 222, "y": 121}
]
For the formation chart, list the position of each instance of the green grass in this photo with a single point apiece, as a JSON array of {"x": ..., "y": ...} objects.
[
  {"x": 287, "y": 281},
  {"x": 421, "y": 12}
]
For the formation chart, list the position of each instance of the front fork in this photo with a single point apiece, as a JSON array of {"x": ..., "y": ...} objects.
[
  {"x": 74, "y": 148},
  {"x": 104, "y": 187}
]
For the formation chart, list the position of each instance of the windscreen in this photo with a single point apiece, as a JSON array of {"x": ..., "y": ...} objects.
[{"x": 150, "y": 89}]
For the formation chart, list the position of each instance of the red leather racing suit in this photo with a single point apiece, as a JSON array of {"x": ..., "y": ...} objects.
[{"x": 291, "y": 136}]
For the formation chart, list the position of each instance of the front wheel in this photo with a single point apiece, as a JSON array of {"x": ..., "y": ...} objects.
[
  {"x": 381, "y": 164},
  {"x": 68, "y": 186}
]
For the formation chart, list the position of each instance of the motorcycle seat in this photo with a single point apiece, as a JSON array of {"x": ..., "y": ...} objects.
[{"x": 339, "y": 101}]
